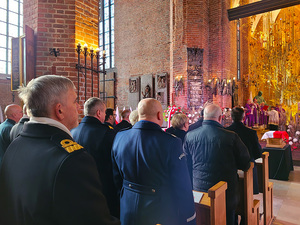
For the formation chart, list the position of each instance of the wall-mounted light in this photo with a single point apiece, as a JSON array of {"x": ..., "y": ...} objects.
[
  {"x": 54, "y": 51},
  {"x": 178, "y": 85}
]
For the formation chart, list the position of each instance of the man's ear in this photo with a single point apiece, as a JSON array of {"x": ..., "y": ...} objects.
[
  {"x": 220, "y": 118},
  {"x": 159, "y": 115},
  {"x": 59, "y": 111},
  {"x": 98, "y": 113}
]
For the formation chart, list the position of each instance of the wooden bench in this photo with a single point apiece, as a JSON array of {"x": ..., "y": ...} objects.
[
  {"x": 265, "y": 187},
  {"x": 248, "y": 207},
  {"x": 212, "y": 207}
]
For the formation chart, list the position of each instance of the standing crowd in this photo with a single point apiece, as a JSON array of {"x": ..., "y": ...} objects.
[{"x": 56, "y": 171}]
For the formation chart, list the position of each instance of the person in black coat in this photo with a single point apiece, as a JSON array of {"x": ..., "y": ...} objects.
[
  {"x": 17, "y": 128},
  {"x": 215, "y": 154},
  {"x": 198, "y": 123},
  {"x": 180, "y": 125},
  {"x": 151, "y": 173},
  {"x": 125, "y": 123},
  {"x": 250, "y": 139},
  {"x": 97, "y": 138},
  {"x": 46, "y": 177}
]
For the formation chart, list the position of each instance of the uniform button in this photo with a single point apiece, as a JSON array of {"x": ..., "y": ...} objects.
[{"x": 129, "y": 185}]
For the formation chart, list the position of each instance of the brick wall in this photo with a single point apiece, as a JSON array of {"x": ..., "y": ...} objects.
[
  {"x": 142, "y": 41},
  {"x": 62, "y": 24}
]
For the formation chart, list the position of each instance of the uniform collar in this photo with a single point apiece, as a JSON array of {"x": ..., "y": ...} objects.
[
  {"x": 50, "y": 122},
  {"x": 145, "y": 124}
]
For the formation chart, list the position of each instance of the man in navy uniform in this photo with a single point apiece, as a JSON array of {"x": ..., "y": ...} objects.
[
  {"x": 97, "y": 138},
  {"x": 215, "y": 154},
  {"x": 150, "y": 172},
  {"x": 46, "y": 177},
  {"x": 110, "y": 117}
]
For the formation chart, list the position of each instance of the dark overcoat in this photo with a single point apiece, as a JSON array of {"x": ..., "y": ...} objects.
[
  {"x": 47, "y": 178},
  {"x": 250, "y": 139},
  {"x": 17, "y": 128},
  {"x": 151, "y": 173},
  {"x": 124, "y": 124},
  {"x": 97, "y": 139},
  {"x": 215, "y": 154}
]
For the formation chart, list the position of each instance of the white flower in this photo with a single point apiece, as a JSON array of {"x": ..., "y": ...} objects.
[
  {"x": 229, "y": 109},
  {"x": 295, "y": 140},
  {"x": 290, "y": 143},
  {"x": 289, "y": 126},
  {"x": 189, "y": 115},
  {"x": 290, "y": 138},
  {"x": 190, "y": 121},
  {"x": 297, "y": 132},
  {"x": 288, "y": 130}
]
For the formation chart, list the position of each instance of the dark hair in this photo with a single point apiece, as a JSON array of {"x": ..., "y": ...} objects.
[
  {"x": 237, "y": 114},
  {"x": 109, "y": 112}
]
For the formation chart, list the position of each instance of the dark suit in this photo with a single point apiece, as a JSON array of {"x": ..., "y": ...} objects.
[
  {"x": 47, "y": 178},
  {"x": 17, "y": 128},
  {"x": 215, "y": 154},
  {"x": 5, "y": 129},
  {"x": 124, "y": 124},
  {"x": 177, "y": 132},
  {"x": 151, "y": 174},
  {"x": 196, "y": 125},
  {"x": 97, "y": 139},
  {"x": 250, "y": 139}
]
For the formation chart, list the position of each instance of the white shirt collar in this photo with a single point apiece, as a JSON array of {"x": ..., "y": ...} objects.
[{"x": 49, "y": 121}]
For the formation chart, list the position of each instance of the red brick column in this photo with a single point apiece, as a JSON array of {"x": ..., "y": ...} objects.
[{"x": 62, "y": 24}]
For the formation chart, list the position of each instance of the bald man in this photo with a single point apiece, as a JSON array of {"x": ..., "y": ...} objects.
[
  {"x": 215, "y": 154},
  {"x": 150, "y": 172},
  {"x": 13, "y": 114}
]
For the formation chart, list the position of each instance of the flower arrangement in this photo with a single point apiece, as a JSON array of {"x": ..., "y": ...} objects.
[
  {"x": 294, "y": 139},
  {"x": 170, "y": 111}
]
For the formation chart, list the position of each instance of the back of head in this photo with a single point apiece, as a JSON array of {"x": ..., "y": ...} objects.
[
  {"x": 150, "y": 109},
  {"x": 237, "y": 114},
  {"x": 109, "y": 112},
  {"x": 134, "y": 117},
  {"x": 212, "y": 112},
  {"x": 13, "y": 112},
  {"x": 42, "y": 93},
  {"x": 179, "y": 120},
  {"x": 92, "y": 105},
  {"x": 125, "y": 114}
]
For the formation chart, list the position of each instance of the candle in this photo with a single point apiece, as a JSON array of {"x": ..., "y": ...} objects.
[
  {"x": 91, "y": 48},
  {"x": 85, "y": 45},
  {"x": 78, "y": 45},
  {"x": 97, "y": 50}
]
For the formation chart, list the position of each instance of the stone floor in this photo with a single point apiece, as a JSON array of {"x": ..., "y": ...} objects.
[{"x": 286, "y": 199}]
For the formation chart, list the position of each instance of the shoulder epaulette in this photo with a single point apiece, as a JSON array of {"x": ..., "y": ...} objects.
[
  {"x": 70, "y": 146},
  {"x": 110, "y": 127}
]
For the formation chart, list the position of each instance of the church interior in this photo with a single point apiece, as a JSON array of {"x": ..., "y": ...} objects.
[{"x": 183, "y": 53}]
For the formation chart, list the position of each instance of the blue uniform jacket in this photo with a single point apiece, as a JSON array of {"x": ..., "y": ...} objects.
[
  {"x": 151, "y": 174},
  {"x": 97, "y": 139}
]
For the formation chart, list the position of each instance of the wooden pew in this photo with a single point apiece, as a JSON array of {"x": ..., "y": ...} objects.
[
  {"x": 212, "y": 207},
  {"x": 265, "y": 187},
  {"x": 248, "y": 207}
]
